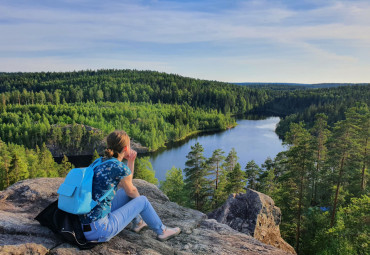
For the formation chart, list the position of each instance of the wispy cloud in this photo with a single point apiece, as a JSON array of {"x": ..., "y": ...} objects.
[{"x": 97, "y": 30}]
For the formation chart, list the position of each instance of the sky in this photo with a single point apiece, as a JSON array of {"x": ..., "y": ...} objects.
[{"x": 299, "y": 41}]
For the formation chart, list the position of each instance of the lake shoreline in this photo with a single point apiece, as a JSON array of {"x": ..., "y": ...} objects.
[
  {"x": 144, "y": 151},
  {"x": 250, "y": 136},
  {"x": 252, "y": 139},
  {"x": 198, "y": 132}
]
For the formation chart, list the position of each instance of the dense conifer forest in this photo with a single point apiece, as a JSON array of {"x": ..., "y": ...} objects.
[{"x": 320, "y": 182}]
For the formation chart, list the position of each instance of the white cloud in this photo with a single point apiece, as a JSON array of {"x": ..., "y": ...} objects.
[
  {"x": 148, "y": 24},
  {"x": 91, "y": 32}
]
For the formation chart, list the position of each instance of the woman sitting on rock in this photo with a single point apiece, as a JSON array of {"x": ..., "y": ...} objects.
[{"x": 125, "y": 204}]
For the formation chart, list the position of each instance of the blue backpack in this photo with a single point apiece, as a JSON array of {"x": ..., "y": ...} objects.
[{"x": 75, "y": 193}]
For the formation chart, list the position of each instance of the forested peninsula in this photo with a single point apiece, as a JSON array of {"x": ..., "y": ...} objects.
[{"x": 320, "y": 182}]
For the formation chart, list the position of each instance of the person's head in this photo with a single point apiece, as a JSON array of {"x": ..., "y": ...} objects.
[{"x": 117, "y": 142}]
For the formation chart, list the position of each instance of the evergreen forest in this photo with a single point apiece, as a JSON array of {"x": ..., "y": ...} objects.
[{"x": 320, "y": 183}]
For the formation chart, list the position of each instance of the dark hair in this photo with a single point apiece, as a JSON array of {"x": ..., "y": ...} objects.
[{"x": 116, "y": 141}]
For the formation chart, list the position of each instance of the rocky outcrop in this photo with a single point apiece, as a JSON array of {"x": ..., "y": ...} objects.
[
  {"x": 138, "y": 147},
  {"x": 254, "y": 214},
  {"x": 21, "y": 234}
]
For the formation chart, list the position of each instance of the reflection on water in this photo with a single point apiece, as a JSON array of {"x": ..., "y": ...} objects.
[
  {"x": 269, "y": 126},
  {"x": 252, "y": 139}
]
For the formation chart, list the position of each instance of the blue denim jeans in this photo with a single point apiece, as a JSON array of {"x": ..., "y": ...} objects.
[{"x": 124, "y": 210}]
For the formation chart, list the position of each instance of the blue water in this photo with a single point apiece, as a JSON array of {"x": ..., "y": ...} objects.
[{"x": 252, "y": 139}]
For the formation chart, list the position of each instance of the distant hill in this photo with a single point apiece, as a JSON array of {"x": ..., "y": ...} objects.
[{"x": 294, "y": 86}]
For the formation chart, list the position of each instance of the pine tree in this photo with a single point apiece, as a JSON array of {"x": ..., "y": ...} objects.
[
  {"x": 252, "y": 171},
  {"x": 95, "y": 156},
  {"x": 350, "y": 234},
  {"x": 5, "y": 159},
  {"x": 320, "y": 136},
  {"x": 65, "y": 167},
  {"x": 300, "y": 160},
  {"x": 77, "y": 132},
  {"x": 57, "y": 134},
  {"x": 214, "y": 165},
  {"x": 235, "y": 180},
  {"x": 41, "y": 171},
  {"x": 359, "y": 118},
  {"x": 56, "y": 97},
  {"x": 220, "y": 195},
  {"x": 231, "y": 160},
  {"x": 3, "y": 102},
  {"x": 174, "y": 186},
  {"x": 266, "y": 181},
  {"x": 195, "y": 177},
  {"x": 364, "y": 134},
  {"x": 46, "y": 163},
  {"x": 18, "y": 169},
  {"x": 32, "y": 162},
  {"x": 343, "y": 150},
  {"x": 144, "y": 170}
]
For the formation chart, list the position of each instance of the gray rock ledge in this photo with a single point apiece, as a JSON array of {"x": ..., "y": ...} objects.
[{"x": 21, "y": 234}]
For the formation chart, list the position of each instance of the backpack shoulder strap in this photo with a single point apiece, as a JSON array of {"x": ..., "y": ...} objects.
[
  {"x": 106, "y": 194},
  {"x": 97, "y": 162},
  {"x": 100, "y": 161}
]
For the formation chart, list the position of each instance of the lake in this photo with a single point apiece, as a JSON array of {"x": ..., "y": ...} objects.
[{"x": 252, "y": 139}]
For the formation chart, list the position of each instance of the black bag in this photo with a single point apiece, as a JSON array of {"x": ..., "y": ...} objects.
[{"x": 64, "y": 224}]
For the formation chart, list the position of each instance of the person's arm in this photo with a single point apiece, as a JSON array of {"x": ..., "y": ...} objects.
[
  {"x": 128, "y": 186},
  {"x": 131, "y": 163}
]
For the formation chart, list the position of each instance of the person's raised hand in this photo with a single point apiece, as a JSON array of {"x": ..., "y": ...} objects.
[{"x": 131, "y": 155}]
